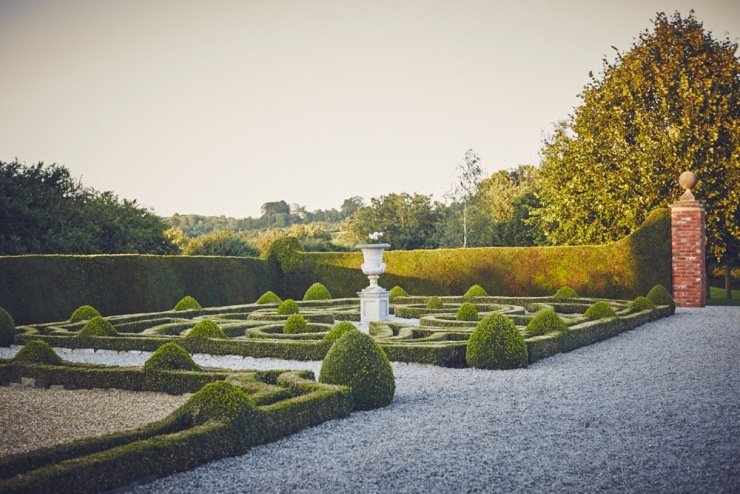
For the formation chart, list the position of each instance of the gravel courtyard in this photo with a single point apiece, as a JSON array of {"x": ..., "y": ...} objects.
[{"x": 656, "y": 409}]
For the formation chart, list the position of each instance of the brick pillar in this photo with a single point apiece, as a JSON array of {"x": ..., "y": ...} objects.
[{"x": 688, "y": 244}]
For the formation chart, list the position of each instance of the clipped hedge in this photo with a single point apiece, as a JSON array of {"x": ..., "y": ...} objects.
[
  {"x": 83, "y": 313},
  {"x": 338, "y": 331},
  {"x": 170, "y": 356},
  {"x": 396, "y": 292},
  {"x": 289, "y": 306},
  {"x": 565, "y": 292},
  {"x": 188, "y": 303},
  {"x": 434, "y": 303},
  {"x": 97, "y": 326},
  {"x": 545, "y": 321},
  {"x": 206, "y": 329},
  {"x": 659, "y": 295},
  {"x": 467, "y": 312},
  {"x": 640, "y": 304},
  {"x": 7, "y": 328},
  {"x": 269, "y": 297},
  {"x": 317, "y": 291},
  {"x": 38, "y": 352},
  {"x": 295, "y": 324},
  {"x": 496, "y": 344},
  {"x": 599, "y": 310}
]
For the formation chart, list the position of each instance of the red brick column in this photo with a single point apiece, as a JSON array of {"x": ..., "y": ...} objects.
[{"x": 688, "y": 243}]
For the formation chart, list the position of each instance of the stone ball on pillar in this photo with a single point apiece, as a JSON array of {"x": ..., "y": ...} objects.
[{"x": 687, "y": 180}]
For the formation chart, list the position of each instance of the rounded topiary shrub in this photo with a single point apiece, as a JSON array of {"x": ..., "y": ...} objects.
[
  {"x": 566, "y": 292},
  {"x": 188, "y": 303},
  {"x": 659, "y": 295},
  {"x": 396, "y": 292},
  {"x": 170, "y": 356},
  {"x": 496, "y": 344},
  {"x": 434, "y": 303},
  {"x": 599, "y": 310},
  {"x": 269, "y": 297},
  {"x": 97, "y": 326},
  {"x": 467, "y": 312},
  {"x": 295, "y": 324},
  {"x": 476, "y": 291},
  {"x": 355, "y": 360},
  {"x": 338, "y": 330},
  {"x": 206, "y": 329},
  {"x": 84, "y": 313},
  {"x": 218, "y": 401},
  {"x": 289, "y": 306},
  {"x": 317, "y": 291},
  {"x": 545, "y": 321},
  {"x": 641, "y": 303},
  {"x": 7, "y": 328},
  {"x": 38, "y": 352}
]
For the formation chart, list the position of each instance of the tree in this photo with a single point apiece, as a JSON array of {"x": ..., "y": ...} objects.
[
  {"x": 667, "y": 105},
  {"x": 465, "y": 187},
  {"x": 220, "y": 243},
  {"x": 349, "y": 206},
  {"x": 276, "y": 213},
  {"x": 407, "y": 222}
]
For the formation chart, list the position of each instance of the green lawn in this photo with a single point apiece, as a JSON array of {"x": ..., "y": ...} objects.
[{"x": 718, "y": 297}]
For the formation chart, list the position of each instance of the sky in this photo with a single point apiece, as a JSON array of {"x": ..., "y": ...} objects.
[{"x": 218, "y": 107}]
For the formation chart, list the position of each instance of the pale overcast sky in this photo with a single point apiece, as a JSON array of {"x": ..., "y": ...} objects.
[{"x": 216, "y": 107}]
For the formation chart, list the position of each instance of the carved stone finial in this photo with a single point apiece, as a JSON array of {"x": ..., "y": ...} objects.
[{"x": 687, "y": 180}]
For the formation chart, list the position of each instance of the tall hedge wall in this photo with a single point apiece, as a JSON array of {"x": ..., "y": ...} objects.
[
  {"x": 45, "y": 288},
  {"x": 622, "y": 269}
]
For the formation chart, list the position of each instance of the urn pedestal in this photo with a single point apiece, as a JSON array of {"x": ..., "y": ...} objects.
[{"x": 374, "y": 299}]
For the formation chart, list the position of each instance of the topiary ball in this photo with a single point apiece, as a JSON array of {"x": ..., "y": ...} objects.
[
  {"x": 38, "y": 352},
  {"x": 204, "y": 330},
  {"x": 566, "y": 292},
  {"x": 467, "y": 312},
  {"x": 475, "y": 291},
  {"x": 97, "y": 326},
  {"x": 640, "y": 304},
  {"x": 7, "y": 328},
  {"x": 84, "y": 313},
  {"x": 496, "y": 344},
  {"x": 599, "y": 310},
  {"x": 170, "y": 356},
  {"x": 188, "y": 303},
  {"x": 659, "y": 295},
  {"x": 434, "y": 303},
  {"x": 295, "y": 324},
  {"x": 289, "y": 306},
  {"x": 338, "y": 330},
  {"x": 317, "y": 291},
  {"x": 218, "y": 401},
  {"x": 396, "y": 292},
  {"x": 269, "y": 297},
  {"x": 545, "y": 321},
  {"x": 355, "y": 360}
]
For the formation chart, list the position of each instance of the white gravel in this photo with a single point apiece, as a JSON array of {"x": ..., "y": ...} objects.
[{"x": 656, "y": 409}]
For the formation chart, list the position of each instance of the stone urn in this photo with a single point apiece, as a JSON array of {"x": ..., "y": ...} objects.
[{"x": 373, "y": 265}]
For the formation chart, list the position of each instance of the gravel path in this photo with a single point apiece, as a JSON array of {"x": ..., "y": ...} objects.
[
  {"x": 656, "y": 409},
  {"x": 32, "y": 418}
]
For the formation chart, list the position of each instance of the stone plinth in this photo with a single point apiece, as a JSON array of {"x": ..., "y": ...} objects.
[
  {"x": 374, "y": 304},
  {"x": 688, "y": 244}
]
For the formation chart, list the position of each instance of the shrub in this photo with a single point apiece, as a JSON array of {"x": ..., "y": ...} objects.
[
  {"x": 206, "y": 329},
  {"x": 496, "y": 344},
  {"x": 269, "y": 297},
  {"x": 566, "y": 292},
  {"x": 7, "y": 328},
  {"x": 338, "y": 330},
  {"x": 467, "y": 312},
  {"x": 545, "y": 321},
  {"x": 220, "y": 243},
  {"x": 97, "y": 326},
  {"x": 83, "y": 313},
  {"x": 188, "y": 303},
  {"x": 295, "y": 324},
  {"x": 355, "y": 360},
  {"x": 475, "y": 291},
  {"x": 289, "y": 306},
  {"x": 219, "y": 401},
  {"x": 599, "y": 310},
  {"x": 434, "y": 303},
  {"x": 317, "y": 291},
  {"x": 38, "y": 352},
  {"x": 641, "y": 303},
  {"x": 659, "y": 295},
  {"x": 170, "y": 356},
  {"x": 396, "y": 292}
]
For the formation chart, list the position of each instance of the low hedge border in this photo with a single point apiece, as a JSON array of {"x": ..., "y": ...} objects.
[{"x": 176, "y": 443}]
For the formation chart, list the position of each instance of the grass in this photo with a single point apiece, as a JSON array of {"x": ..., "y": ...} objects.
[{"x": 717, "y": 297}]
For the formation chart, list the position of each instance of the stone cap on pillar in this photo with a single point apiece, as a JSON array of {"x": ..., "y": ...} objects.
[{"x": 687, "y": 200}]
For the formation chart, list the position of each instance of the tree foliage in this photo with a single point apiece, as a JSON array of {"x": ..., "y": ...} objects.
[
  {"x": 43, "y": 210},
  {"x": 667, "y": 105},
  {"x": 465, "y": 188}
]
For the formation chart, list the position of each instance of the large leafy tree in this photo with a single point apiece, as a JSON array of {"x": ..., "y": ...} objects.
[
  {"x": 406, "y": 221},
  {"x": 667, "y": 105},
  {"x": 43, "y": 210}
]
